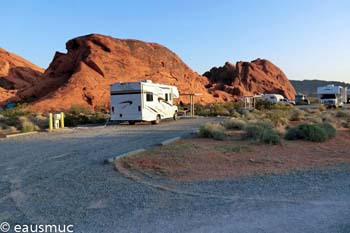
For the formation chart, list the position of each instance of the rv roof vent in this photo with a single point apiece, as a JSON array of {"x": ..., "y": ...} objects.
[{"x": 146, "y": 81}]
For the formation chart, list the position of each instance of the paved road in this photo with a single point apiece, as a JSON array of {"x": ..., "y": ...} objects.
[{"x": 60, "y": 178}]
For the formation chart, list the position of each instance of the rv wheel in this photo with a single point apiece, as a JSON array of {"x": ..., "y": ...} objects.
[
  {"x": 157, "y": 121},
  {"x": 175, "y": 117},
  {"x": 132, "y": 122}
]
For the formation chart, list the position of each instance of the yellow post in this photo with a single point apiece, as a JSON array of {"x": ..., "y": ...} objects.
[
  {"x": 50, "y": 122},
  {"x": 62, "y": 120}
]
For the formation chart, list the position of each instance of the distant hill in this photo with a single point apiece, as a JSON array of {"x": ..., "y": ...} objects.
[{"x": 309, "y": 87}]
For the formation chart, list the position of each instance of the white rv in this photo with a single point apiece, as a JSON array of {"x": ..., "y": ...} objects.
[
  {"x": 142, "y": 101},
  {"x": 274, "y": 98},
  {"x": 332, "y": 96}
]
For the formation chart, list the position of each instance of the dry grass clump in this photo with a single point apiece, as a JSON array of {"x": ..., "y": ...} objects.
[
  {"x": 212, "y": 130},
  {"x": 297, "y": 115},
  {"x": 234, "y": 123}
]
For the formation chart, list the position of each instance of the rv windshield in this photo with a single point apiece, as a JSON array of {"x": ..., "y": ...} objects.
[{"x": 328, "y": 96}]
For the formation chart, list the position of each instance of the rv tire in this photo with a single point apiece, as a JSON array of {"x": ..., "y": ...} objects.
[
  {"x": 175, "y": 117},
  {"x": 132, "y": 122},
  {"x": 157, "y": 121}
]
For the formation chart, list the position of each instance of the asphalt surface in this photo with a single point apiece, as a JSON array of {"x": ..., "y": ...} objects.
[{"x": 60, "y": 178}]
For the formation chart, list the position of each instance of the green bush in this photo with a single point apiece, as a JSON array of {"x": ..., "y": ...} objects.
[
  {"x": 80, "y": 110},
  {"x": 219, "y": 110},
  {"x": 235, "y": 113},
  {"x": 212, "y": 130},
  {"x": 201, "y": 110},
  {"x": 261, "y": 105},
  {"x": 270, "y": 136},
  {"x": 329, "y": 128},
  {"x": 234, "y": 123},
  {"x": 18, "y": 111},
  {"x": 80, "y": 115},
  {"x": 319, "y": 132},
  {"x": 262, "y": 133}
]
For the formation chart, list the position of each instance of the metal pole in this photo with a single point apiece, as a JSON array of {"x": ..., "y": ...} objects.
[
  {"x": 50, "y": 122},
  {"x": 192, "y": 106},
  {"x": 62, "y": 120}
]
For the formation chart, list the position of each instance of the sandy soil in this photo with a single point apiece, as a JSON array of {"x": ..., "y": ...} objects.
[{"x": 203, "y": 159}]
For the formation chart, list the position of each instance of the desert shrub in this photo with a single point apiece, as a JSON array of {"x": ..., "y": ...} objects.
[
  {"x": 253, "y": 131},
  {"x": 27, "y": 126},
  {"x": 262, "y": 133},
  {"x": 270, "y": 136},
  {"x": 261, "y": 105},
  {"x": 80, "y": 115},
  {"x": 40, "y": 120},
  {"x": 297, "y": 115},
  {"x": 231, "y": 105},
  {"x": 312, "y": 132},
  {"x": 328, "y": 117},
  {"x": 248, "y": 115},
  {"x": 235, "y": 113},
  {"x": 312, "y": 111},
  {"x": 315, "y": 120},
  {"x": 342, "y": 114},
  {"x": 234, "y": 123},
  {"x": 74, "y": 120},
  {"x": 321, "y": 108},
  {"x": 18, "y": 111},
  {"x": 345, "y": 123},
  {"x": 313, "y": 100},
  {"x": 329, "y": 128},
  {"x": 80, "y": 110},
  {"x": 212, "y": 130},
  {"x": 201, "y": 110},
  {"x": 278, "y": 117},
  {"x": 218, "y": 110}
]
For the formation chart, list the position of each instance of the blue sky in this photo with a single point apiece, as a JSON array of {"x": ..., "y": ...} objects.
[{"x": 307, "y": 39}]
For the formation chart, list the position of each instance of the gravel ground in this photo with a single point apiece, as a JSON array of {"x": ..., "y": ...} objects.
[{"x": 60, "y": 178}]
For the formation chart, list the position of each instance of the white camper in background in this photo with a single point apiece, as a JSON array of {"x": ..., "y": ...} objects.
[
  {"x": 142, "y": 101},
  {"x": 274, "y": 98},
  {"x": 332, "y": 96}
]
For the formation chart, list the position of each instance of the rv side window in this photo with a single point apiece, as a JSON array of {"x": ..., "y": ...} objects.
[
  {"x": 272, "y": 97},
  {"x": 166, "y": 97},
  {"x": 149, "y": 97},
  {"x": 170, "y": 96}
]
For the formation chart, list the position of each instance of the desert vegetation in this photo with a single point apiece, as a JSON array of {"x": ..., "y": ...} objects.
[
  {"x": 274, "y": 124},
  {"x": 80, "y": 115},
  {"x": 21, "y": 119}
]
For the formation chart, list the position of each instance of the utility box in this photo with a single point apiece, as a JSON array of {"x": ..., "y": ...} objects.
[{"x": 56, "y": 120}]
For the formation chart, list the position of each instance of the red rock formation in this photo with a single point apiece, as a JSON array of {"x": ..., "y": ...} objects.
[
  {"x": 82, "y": 76},
  {"x": 16, "y": 73},
  {"x": 249, "y": 78}
]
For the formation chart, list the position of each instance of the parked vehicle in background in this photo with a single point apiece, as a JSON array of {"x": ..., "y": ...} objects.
[
  {"x": 274, "y": 99},
  {"x": 287, "y": 101},
  {"x": 301, "y": 99},
  {"x": 143, "y": 101},
  {"x": 332, "y": 96}
]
